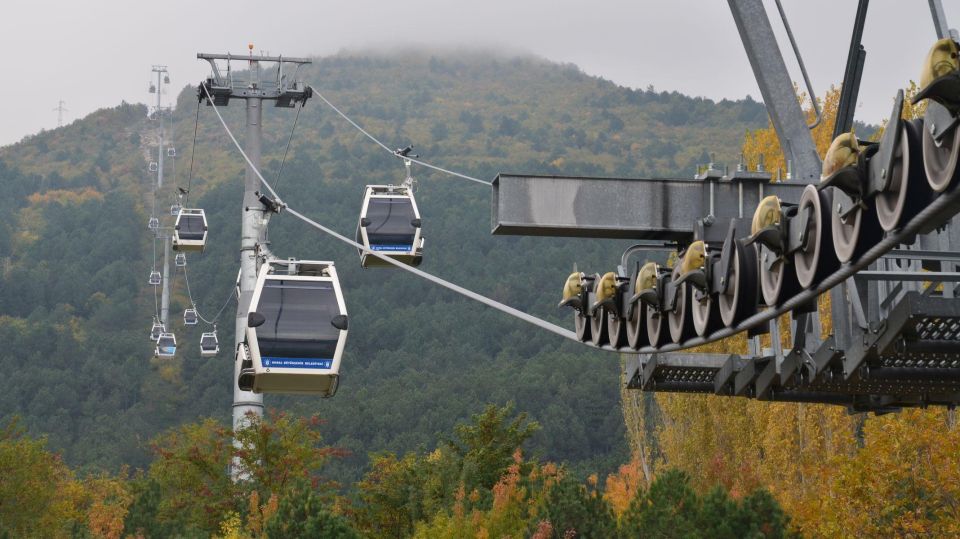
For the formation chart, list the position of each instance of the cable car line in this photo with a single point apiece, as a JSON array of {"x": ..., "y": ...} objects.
[
  {"x": 212, "y": 321},
  {"x": 395, "y": 153},
  {"x": 927, "y": 215},
  {"x": 276, "y": 181},
  {"x": 543, "y": 324},
  {"x": 516, "y": 313},
  {"x": 226, "y": 128},
  {"x": 193, "y": 151}
]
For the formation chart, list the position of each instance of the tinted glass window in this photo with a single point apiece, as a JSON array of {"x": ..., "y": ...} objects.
[
  {"x": 191, "y": 227},
  {"x": 391, "y": 224},
  {"x": 298, "y": 317}
]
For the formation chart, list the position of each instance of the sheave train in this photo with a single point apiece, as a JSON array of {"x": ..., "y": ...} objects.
[{"x": 866, "y": 190}]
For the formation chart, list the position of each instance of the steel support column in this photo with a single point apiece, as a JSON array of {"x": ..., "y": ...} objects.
[
  {"x": 245, "y": 402},
  {"x": 777, "y": 89}
]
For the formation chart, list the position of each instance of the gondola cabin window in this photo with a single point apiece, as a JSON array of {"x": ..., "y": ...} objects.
[
  {"x": 297, "y": 332},
  {"x": 391, "y": 226}
]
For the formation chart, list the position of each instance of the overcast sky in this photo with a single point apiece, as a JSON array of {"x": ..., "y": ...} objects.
[{"x": 95, "y": 53}]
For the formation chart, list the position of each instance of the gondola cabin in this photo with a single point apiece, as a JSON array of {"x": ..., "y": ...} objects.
[
  {"x": 190, "y": 317},
  {"x": 175, "y": 209},
  {"x": 153, "y": 223},
  {"x": 390, "y": 225},
  {"x": 166, "y": 345},
  {"x": 154, "y": 278},
  {"x": 209, "y": 344},
  {"x": 296, "y": 330},
  {"x": 190, "y": 230},
  {"x": 181, "y": 260},
  {"x": 156, "y": 330}
]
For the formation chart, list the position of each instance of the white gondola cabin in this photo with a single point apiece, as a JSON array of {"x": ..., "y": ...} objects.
[
  {"x": 155, "y": 330},
  {"x": 181, "y": 260},
  {"x": 166, "y": 345},
  {"x": 190, "y": 317},
  {"x": 209, "y": 344},
  {"x": 175, "y": 209},
  {"x": 153, "y": 223},
  {"x": 296, "y": 330},
  {"x": 390, "y": 225},
  {"x": 190, "y": 230},
  {"x": 154, "y": 278}
]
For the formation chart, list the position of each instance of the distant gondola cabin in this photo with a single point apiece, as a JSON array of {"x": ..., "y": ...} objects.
[
  {"x": 390, "y": 225},
  {"x": 190, "y": 230}
]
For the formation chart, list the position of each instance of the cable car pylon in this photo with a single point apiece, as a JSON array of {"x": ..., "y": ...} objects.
[{"x": 285, "y": 91}]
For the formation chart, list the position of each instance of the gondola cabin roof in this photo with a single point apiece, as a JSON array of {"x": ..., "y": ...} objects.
[{"x": 297, "y": 328}]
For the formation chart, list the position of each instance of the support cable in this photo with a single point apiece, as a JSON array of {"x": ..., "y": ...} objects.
[
  {"x": 940, "y": 206},
  {"x": 193, "y": 151},
  {"x": 276, "y": 181},
  {"x": 803, "y": 69},
  {"x": 553, "y": 328},
  {"x": 543, "y": 324},
  {"x": 393, "y": 152},
  {"x": 193, "y": 304}
]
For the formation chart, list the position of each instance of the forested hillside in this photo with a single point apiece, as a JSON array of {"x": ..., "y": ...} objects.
[
  {"x": 452, "y": 420},
  {"x": 76, "y": 255}
]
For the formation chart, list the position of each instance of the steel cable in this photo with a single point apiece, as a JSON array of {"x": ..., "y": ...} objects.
[
  {"x": 553, "y": 328},
  {"x": 392, "y": 152}
]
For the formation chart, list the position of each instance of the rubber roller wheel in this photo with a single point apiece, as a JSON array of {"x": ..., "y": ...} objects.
[
  {"x": 598, "y": 327},
  {"x": 657, "y": 333},
  {"x": 705, "y": 310},
  {"x": 637, "y": 327},
  {"x": 940, "y": 162},
  {"x": 817, "y": 258},
  {"x": 740, "y": 299},
  {"x": 680, "y": 320},
  {"x": 616, "y": 330},
  {"x": 582, "y": 325},
  {"x": 854, "y": 234},
  {"x": 909, "y": 190},
  {"x": 780, "y": 281}
]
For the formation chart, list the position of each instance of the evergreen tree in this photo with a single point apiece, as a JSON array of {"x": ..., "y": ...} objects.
[
  {"x": 304, "y": 515},
  {"x": 573, "y": 511}
]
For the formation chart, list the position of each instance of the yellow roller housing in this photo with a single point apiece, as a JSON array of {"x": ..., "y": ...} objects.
[
  {"x": 843, "y": 152},
  {"x": 693, "y": 258},
  {"x": 607, "y": 287},
  {"x": 941, "y": 60},
  {"x": 767, "y": 214},
  {"x": 647, "y": 278},
  {"x": 572, "y": 287}
]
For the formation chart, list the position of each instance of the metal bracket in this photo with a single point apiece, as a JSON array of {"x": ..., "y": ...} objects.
[
  {"x": 938, "y": 121},
  {"x": 881, "y": 165}
]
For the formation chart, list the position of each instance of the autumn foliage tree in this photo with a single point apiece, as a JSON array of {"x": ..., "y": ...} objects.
[{"x": 191, "y": 475}]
